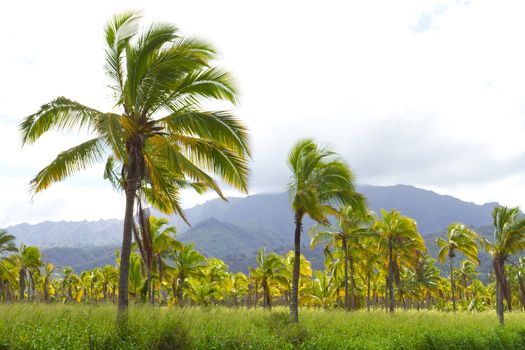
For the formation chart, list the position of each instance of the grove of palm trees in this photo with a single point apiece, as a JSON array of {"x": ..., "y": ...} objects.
[{"x": 380, "y": 287}]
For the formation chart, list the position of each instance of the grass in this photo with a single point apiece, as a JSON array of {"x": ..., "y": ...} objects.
[{"x": 93, "y": 327}]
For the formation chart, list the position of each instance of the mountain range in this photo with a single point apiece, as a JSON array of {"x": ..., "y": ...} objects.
[{"x": 234, "y": 230}]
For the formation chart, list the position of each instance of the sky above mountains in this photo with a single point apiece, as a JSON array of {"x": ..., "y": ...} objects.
[{"x": 427, "y": 93}]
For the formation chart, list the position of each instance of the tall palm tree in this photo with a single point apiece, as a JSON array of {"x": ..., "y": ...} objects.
[
  {"x": 462, "y": 239},
  {"x": 508, "y": 239},
  {"x": 352, "y": 227},
  {"x": 397, "y": 233},
  {"x": 158, "y": 139},
  {"x": 319, "y": 180}
]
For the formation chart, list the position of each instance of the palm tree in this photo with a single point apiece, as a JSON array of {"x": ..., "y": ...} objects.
[
  {"x": 7, "y": 242},
  {"x": 135, "y": 274},
  {"x": 184, "y": 263},
  {"x": 269, "y": 268},
  {"x": 48, "y": 272},
  {"x": 201, "y": 292},
  {"x": 153, "y": 240},
  {"x": 509, "y": 239},
  {"x": 369, "y": 258},
  {"x": 322, "y": 290},
  {"x": 25, "y": 258},
  {"x": 319, "y": 179},
  {"x": 398, "y": 233},
  {"x": 160, "y": 139},
  {"x": 109, "y": 280},
  {"x": 462, "y": 239},
  {"x": 465, "y": 274},
  {"x": 352, "y": 227},
  {"x": 427, "y": 276}
]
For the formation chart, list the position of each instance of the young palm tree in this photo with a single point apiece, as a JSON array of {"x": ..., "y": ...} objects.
[
  {"x": 427, "y": 276},
  {"x": 25, "y": 258},
  {"x": 269, "y": 268},
  {"x": 321, "y": 290},
  {"x": 352, "y": 227},
  {"x": 48, "y": 272},
  {"x": 201, "y": 292},
  {"x": 462, "y": 239},
  {"x": 319, "y": 180},
  {"x": 398, "y": 233},
  {"x": 184, "y": 263},
  {"x": 159, "y": 139},
  {"x": 509, "y": 239},
  {"x": 153, "y": 240}
]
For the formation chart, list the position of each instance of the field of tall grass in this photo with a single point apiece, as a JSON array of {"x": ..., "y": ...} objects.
[{"x": 93, "y": 327}]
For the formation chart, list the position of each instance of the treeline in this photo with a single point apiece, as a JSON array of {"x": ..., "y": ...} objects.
[{"x": 364, "y": 254}]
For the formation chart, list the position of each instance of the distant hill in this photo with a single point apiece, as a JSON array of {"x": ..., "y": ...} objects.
[
  {"x": 234, "y": 230},
  {"x": 81, "y": 259},
  {"x": 73, "y": 234}
]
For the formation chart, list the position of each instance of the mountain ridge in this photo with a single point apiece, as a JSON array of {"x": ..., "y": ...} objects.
[{"x": 234, "y": 230}]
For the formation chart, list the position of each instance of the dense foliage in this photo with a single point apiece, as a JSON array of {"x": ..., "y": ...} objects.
[{"x": 359, "y": 266}]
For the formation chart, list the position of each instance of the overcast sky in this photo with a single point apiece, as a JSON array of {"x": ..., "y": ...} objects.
[{"x": 425, "y": 93}]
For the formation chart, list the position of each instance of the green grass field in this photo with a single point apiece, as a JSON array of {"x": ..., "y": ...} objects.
[{"x": 93, "y": 327}]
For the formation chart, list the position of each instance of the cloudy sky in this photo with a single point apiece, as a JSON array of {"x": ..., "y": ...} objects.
[{"x": 425, "y": 93}]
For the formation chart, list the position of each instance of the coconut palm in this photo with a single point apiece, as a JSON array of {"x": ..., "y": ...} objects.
[
  {"x": 7, "y": 242},
  {"x": 158, "y": 139},
  {"x": 47, "y": 274},
  {"x": 397, "y": 234},
  {"x": 351, "y": 229},
  {"x": 25, "y": 258},
  {"x": 184, "y": 263},
  {"x": 201, "y": 292},
  {"x": 427, "y": 276},
  {"x": 321, "y": 290},
  {"x": 109, "y": 280},
  {"x": 462, "y": 239},
  {"x": 508, "y": 239},
  {"x": 319, "y": 180},
  {"x": 153, "y": 240},
  {"x": 269, "y": 268},
  {"x": 465, "y": 274},
  {"x": 135, "y": 274},
  {"x": 368, "y": 258}
]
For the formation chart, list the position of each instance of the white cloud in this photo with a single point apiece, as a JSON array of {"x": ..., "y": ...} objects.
[{"x": 429, "y": 93}]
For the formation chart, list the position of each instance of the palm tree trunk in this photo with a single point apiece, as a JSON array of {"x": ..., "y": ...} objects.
[
  {"x": 266, "y": 291},
  {"x": 22, "y": 277},
  {"x": 294, "y": 300},
  {"x": 452, "y": 283},
  {"x": 368, "y": 291},
  {"x": 522, "y": 291},
  {"x": 347, "y": 301},
  {"x": 179, "y": 289},
  {"x": 46, "y": 291},
  {"x": 149, "y": 287},
  {"x": 353, "y": 298},
  {"x": 125, "y": 253},
  {"x": 499, "y": 290},
  {"x": 390, "y": 277}
]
